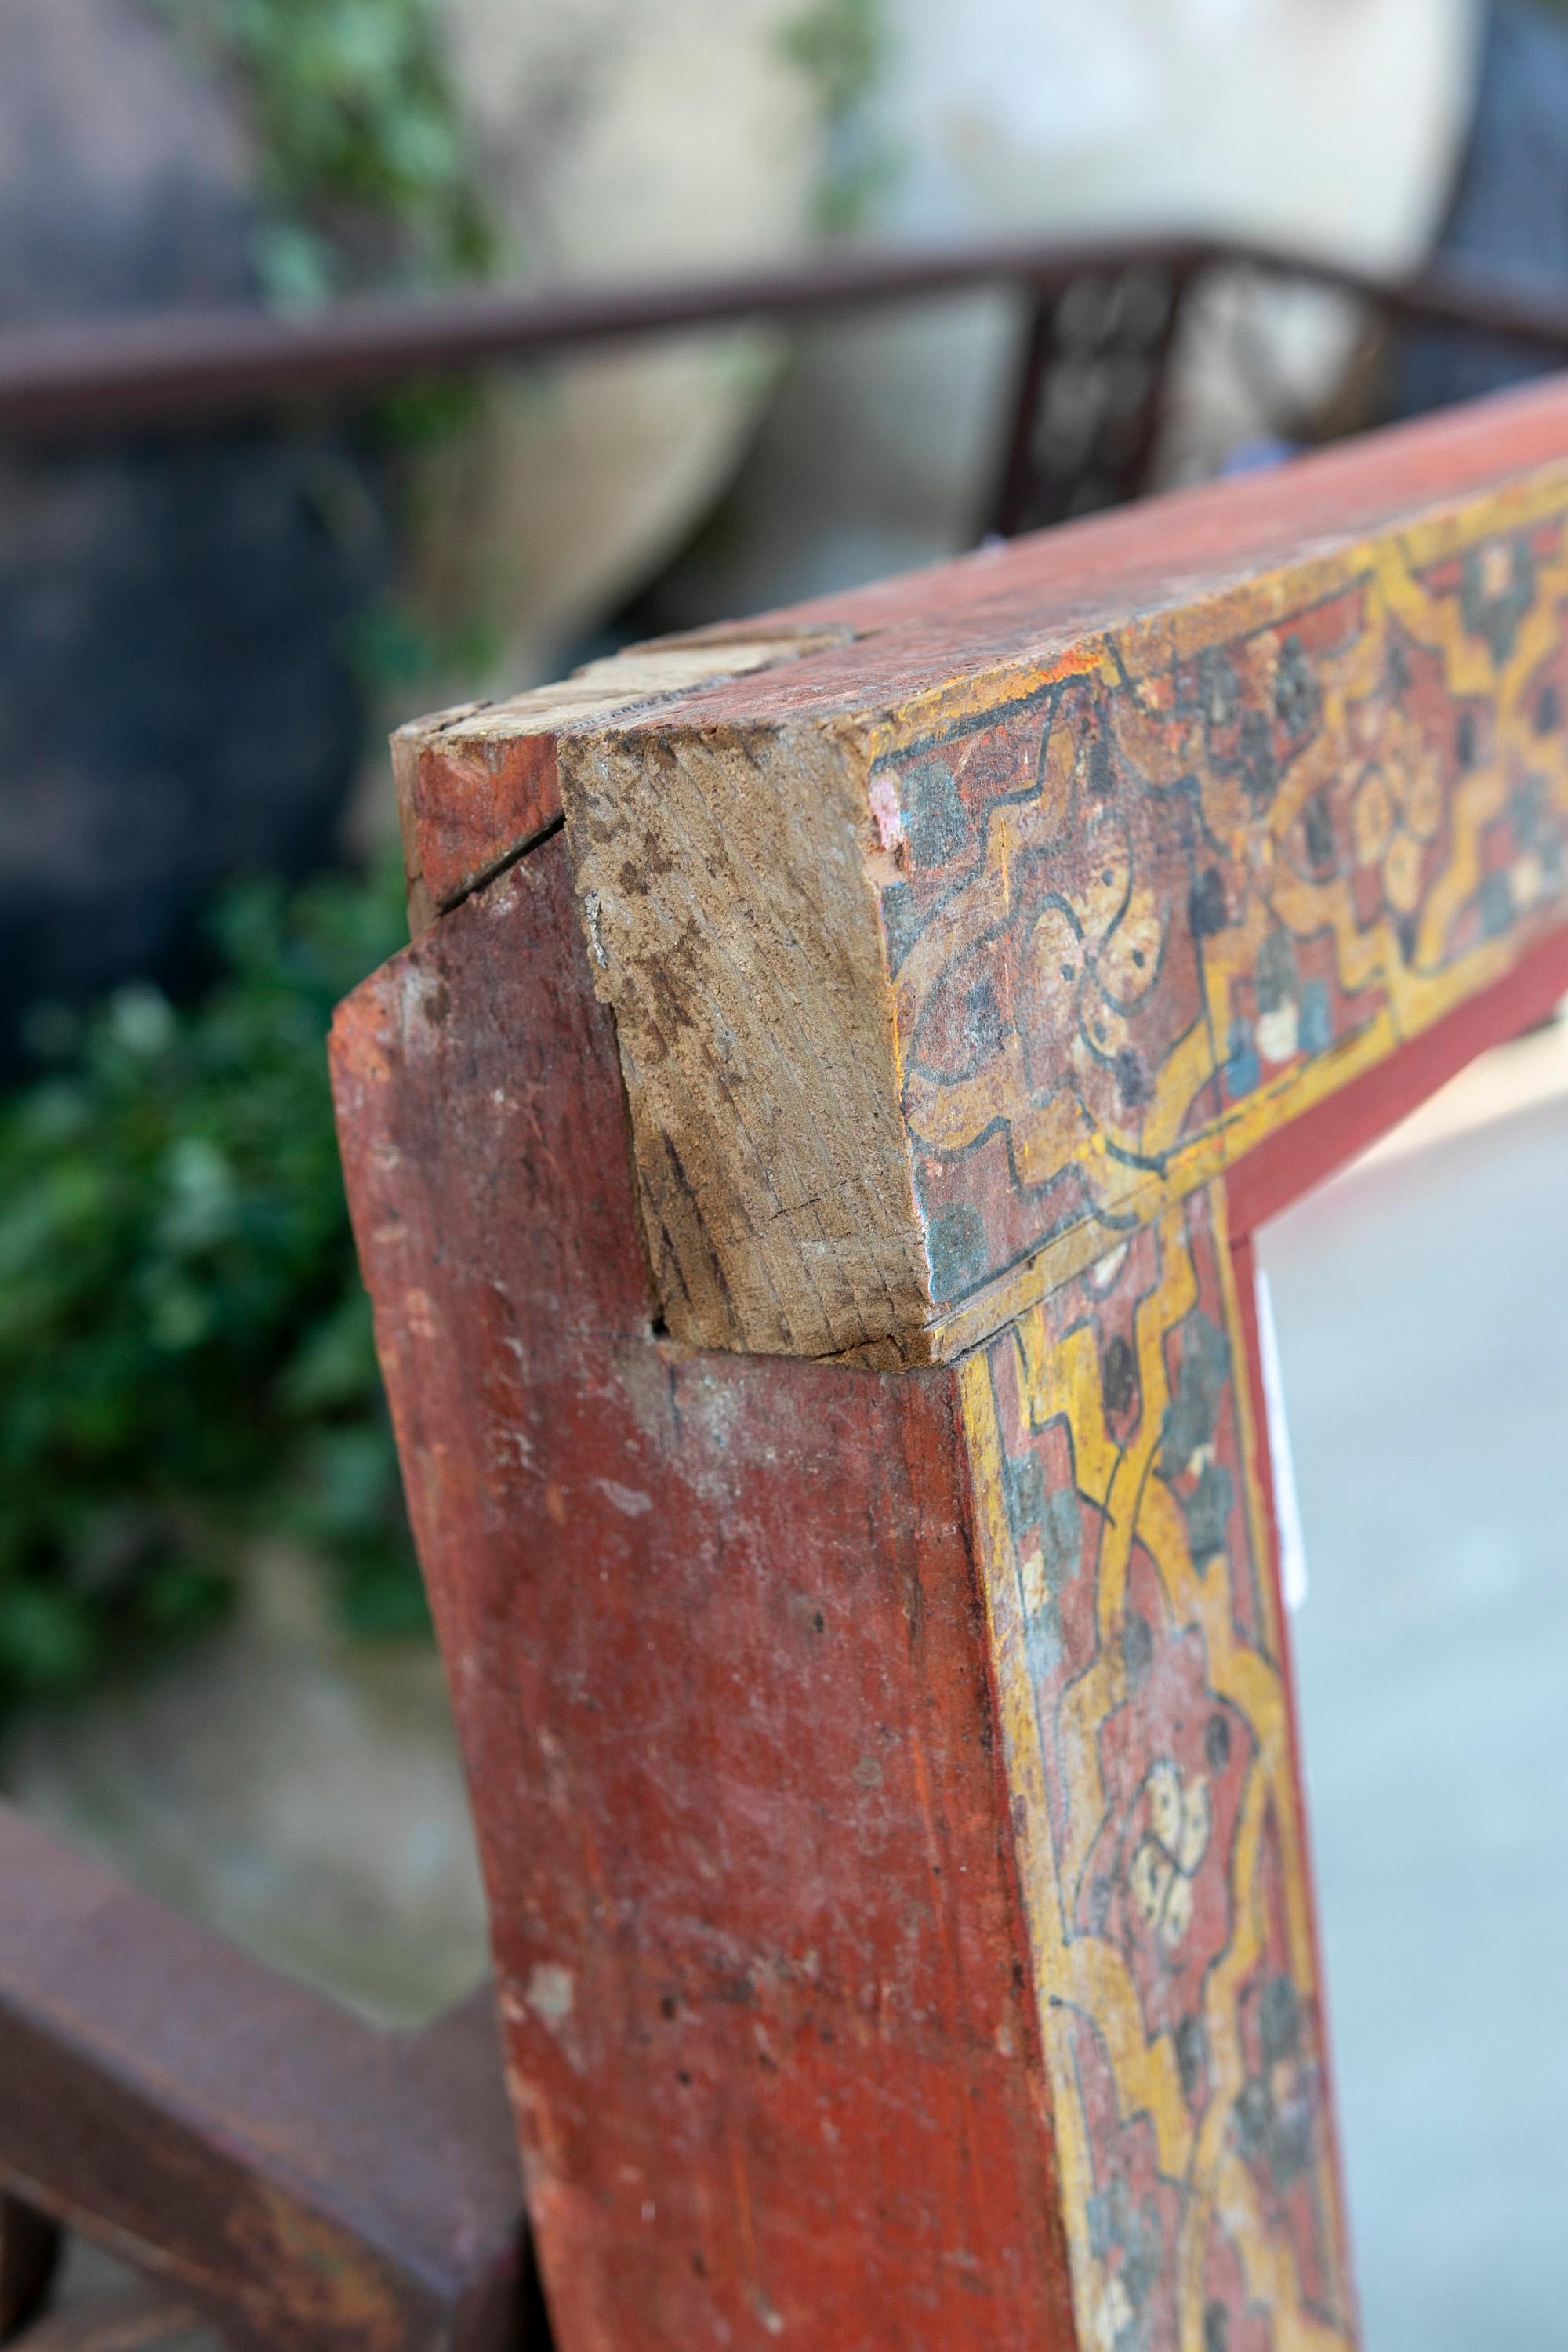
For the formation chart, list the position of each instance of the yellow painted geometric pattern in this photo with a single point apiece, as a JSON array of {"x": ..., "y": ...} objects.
[
  {"x": 1137, "y": 1649},
  {"x": 1165, "y": 892}
]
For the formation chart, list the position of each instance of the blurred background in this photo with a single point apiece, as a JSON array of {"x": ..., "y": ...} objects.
[{"x": 214, "y": 1667}]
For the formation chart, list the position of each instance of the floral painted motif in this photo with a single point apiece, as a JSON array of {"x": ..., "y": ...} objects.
[
  {"x": 1211, "y": 867},
  {"x": 1176, "y": 1830},
  {"x": 1136, "y": 1636}
]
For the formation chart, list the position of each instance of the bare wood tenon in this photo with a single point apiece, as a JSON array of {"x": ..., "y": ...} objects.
[{"x": 954, "y": 928}]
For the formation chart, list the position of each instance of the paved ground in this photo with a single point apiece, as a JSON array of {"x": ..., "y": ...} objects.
[{"x": 1422, "y": 1314}]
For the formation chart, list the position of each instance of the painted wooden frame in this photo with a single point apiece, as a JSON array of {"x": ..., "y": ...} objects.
[{"x": 806, "y": 1169}]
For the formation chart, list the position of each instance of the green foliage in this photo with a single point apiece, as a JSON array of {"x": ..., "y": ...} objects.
[
  {"x": 366, "y": 175},
  {"x": 185, "y": 1353},
  {"x": 840, "y": 45}
]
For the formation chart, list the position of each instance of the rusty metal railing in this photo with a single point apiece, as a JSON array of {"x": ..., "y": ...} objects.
[{"x": 179, "y": 371}]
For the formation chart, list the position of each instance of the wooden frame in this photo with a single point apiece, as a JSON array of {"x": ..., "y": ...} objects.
[{"x": 806, "y": 1170}]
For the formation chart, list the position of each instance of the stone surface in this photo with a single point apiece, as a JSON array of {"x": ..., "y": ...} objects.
[
  {"x": 125, "y": 178},
  {"x": 177, "y": 698},
  {"x": 1510, "y": 210},
  {"x": 1314, "y": 124},
  {"x": 617, "y": 141}
]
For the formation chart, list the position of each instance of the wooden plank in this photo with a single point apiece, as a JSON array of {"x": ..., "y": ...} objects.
[
  {"x": 478, "y": 784},
  {"x": 1336, "y": 1129},
  {"x": 717, "y": 1655},
  {"x": 1062, "y": 879}
]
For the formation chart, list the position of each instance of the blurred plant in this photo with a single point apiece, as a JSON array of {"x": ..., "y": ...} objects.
[
  {"x": 840, "y": 45},
  {"x": 185, "y": 1353},
  {"x": 365, "y": 171}
]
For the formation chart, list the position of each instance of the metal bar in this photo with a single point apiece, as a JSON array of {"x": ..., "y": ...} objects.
[
  {"x": 172, "y": 368},
  {"x": 298, "y": 2177},
  {"x": 1152, "y": 421},
  {"x": 177, "y": 365},
  {"x": 1009, "y": 497}
]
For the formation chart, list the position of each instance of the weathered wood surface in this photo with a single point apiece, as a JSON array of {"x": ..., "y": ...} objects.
[
  {"x": 885, "y": 1769},
  {"x": 1025, "y": 897},
  {"x": 883, "y": 1779},
  {"x": 719, "y": 1661},
  {"x": 478, "y": 784}
]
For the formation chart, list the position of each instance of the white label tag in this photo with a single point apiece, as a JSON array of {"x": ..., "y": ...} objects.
[{"x": 1287, "y": 1503}]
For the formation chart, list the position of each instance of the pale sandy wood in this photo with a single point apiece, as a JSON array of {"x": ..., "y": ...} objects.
[{"x": 732, "y": 926}]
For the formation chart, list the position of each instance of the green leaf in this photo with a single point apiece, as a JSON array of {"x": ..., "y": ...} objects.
[
  {"x": 185, "y": 1350},
  {"x": 363, "y": 158},
  {"x": 384, "y": 1598},
  {"x": 48, "y": 1639}
]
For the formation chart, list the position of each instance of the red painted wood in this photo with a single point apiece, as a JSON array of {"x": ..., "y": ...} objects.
[
  {"x": 464, "y": 807},
  {"x": 717, "y": 1654},
  {"x": 1052, "y": 588},
  {"x": 713, "y": 1622},
  {"x": 1294, "y": 1158},
  {"x": 1166, "y": 551}
]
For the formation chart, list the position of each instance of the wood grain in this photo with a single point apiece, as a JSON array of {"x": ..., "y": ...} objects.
[
  {"x": 476, "y": 785},
  {"x": 806, "y": 1197},
  {"x": 884, "y": 1780},
  {"x": 717, "y": 1656},
  {"x": 734, "y": 930},
  {"x": 1033, "y": 893}
]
